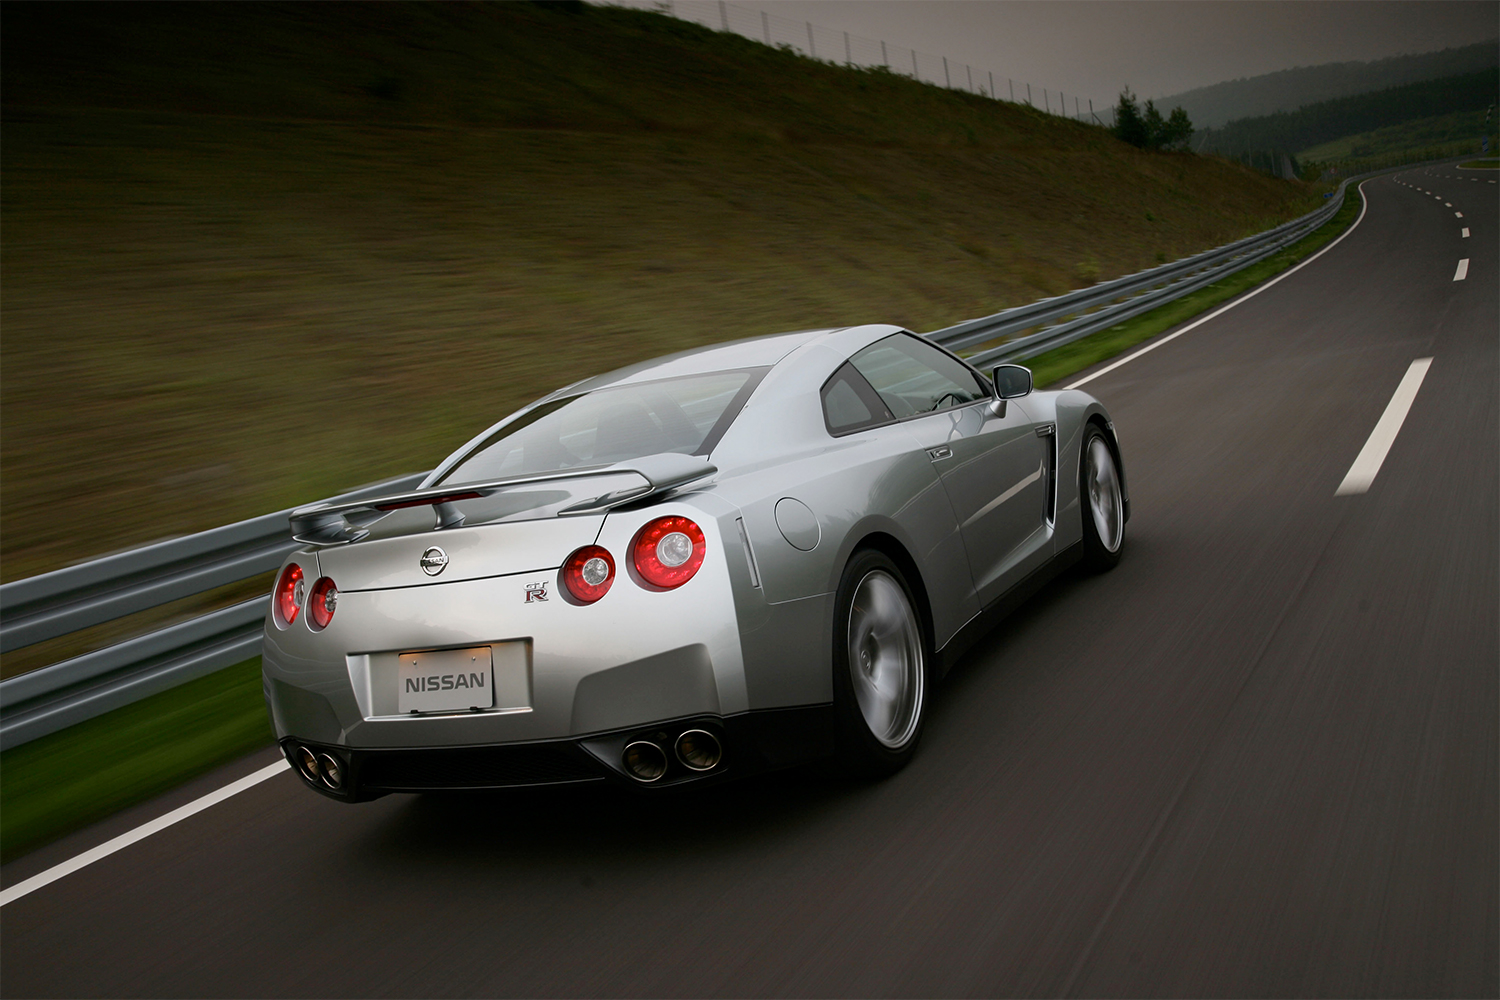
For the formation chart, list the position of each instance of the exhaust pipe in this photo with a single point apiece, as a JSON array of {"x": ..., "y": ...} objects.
[
  {"x": 699, "y": 750},
  {"x": 644, "y": 761},
  {"x": 330, "y": 771},
  {"x": 307, "y": 763},
  {"x": 324, "y": 769}
]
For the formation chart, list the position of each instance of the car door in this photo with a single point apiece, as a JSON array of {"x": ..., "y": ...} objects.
[{"x": 993, "y": 465}]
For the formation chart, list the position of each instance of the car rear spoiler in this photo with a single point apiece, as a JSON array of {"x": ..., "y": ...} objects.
[{"x": 342, "y": 523}]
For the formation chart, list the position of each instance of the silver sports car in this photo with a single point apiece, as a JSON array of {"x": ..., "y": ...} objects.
[{"x": 715, "y": 563}]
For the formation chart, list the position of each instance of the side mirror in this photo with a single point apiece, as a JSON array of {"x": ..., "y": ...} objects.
[{"x": 1012, "y": 381}]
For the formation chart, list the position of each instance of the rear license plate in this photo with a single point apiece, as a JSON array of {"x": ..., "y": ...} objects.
[{"x": 446, "y": 680}]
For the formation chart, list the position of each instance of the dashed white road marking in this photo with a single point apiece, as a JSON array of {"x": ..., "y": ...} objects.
[
  {"x": 1364, "y": 206},
  {"x": 124, "y": 840},
  {"x": 1458, "y": 215},
  {"x": 1372, "y": 455},
  {"x": 1466, "y": 232},
  {"x": 1463, "y": 270},
  {"x": 1447, "y": 204}
]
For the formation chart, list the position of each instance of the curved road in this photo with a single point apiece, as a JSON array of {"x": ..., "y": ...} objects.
[{"x": 1258, "y": 759}]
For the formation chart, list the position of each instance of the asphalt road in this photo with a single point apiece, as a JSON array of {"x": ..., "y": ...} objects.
[{"x": 1261, "y": 758}]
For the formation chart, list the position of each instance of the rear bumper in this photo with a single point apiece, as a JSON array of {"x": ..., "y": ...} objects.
[{"x": 753, "y": 742}]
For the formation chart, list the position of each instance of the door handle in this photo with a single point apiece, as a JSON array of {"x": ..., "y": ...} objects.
[{"x": 939, "y": 453}]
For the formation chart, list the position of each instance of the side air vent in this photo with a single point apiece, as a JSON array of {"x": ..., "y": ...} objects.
[{"x": 1049, "y": 458}]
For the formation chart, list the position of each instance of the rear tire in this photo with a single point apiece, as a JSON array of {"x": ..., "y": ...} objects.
[
  {"x": 879, "y": 666},
  {"x": 1101, "y": 502}
]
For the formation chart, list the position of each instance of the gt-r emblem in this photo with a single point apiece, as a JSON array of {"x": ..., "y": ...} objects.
[
  {"x": 434, "y": 560},
  {"x": 536, "y": 592}
]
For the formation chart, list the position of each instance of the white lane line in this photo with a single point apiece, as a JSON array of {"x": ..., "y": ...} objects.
[
  {"x": 1364, "y": 204},
  {"x": 1458, "y": 215},
  {"x": 1372, "y": 455},
  {"x": 1463, "y": 270},
  {"x": 1466, "y": 232},
  {"x": 1447, "y": 204},
  {"x": 124, "y": 840}
]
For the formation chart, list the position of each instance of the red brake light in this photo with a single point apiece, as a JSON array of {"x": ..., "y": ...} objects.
[
  {"x": 288, "y": 597},
  {"x": 325, "y": 597},
  {"x": 588, "y": 573},
  {"x": 668, "y": 551}
]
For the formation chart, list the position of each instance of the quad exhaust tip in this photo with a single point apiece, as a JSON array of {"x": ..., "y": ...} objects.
[
  {"x": 699, "y": 750},
  {"x": 644, "y": 761},
  {"x": 319, "y": 768}
]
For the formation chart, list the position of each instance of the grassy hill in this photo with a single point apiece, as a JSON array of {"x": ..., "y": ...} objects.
[
  {"x": 1451, "y": 134},
  {"x": 256, "y": 254}
]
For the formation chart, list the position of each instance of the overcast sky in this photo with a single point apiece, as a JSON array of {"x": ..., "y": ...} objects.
[{"x": 1157, "y": 47}]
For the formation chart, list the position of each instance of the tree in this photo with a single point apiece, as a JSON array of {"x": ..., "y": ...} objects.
[
  {"x": 1147, "y": 129},
  {"x": 1178, "y": 131},
  {"x": 1129, "y": 126}
]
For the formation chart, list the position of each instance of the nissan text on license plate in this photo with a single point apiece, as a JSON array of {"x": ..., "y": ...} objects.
[{"x": 446, "y": 680}]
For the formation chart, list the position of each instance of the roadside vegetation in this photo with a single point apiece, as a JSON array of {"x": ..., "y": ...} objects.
[{"x": 80, "y": 775}]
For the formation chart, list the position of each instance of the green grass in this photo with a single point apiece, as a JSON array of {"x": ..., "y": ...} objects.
[
  {"x": 1458, "y": 128},
  {"x": 59, "y": 783},
  {"x": 1481, "y": 165},
  {"x": 1063, "y": 361}
]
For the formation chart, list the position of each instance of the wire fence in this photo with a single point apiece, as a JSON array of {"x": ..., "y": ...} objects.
[{"x": 846, "y": 48}]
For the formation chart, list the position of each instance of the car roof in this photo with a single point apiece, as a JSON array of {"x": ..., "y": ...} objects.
[{"x": 752, "y": 352}]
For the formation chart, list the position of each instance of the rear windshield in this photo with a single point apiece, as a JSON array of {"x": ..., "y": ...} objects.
[{"x": 686, "y": 415}]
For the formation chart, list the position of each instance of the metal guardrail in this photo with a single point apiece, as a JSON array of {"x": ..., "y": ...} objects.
[
  {"x": 45, "y": 700},
  {"x": 42, "y": 607},
  {"x": 1104, "y": 305}
]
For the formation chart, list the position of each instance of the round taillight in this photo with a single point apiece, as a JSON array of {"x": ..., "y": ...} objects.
[
  {"x": 668, "y": 551},
  {"x": 320, "y": 606},
  {"x": 588, "y": 573},
  {"x": 290, "y": 588}
]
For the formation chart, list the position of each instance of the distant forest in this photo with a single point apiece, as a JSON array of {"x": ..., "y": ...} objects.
[
  {"x": 1215, "y": 106},
  {"x": 1318, "y": 123}
]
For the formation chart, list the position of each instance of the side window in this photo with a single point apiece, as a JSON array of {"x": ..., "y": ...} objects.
[
  {"x": 850, "y": 404},
  {"x": 912, "y": 376}
]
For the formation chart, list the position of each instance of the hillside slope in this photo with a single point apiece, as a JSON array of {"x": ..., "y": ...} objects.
[
  {"x": 255, "y": 254},
  {"x": 1314, "y": 124},
  {"x": 1251, "y": 97}
]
